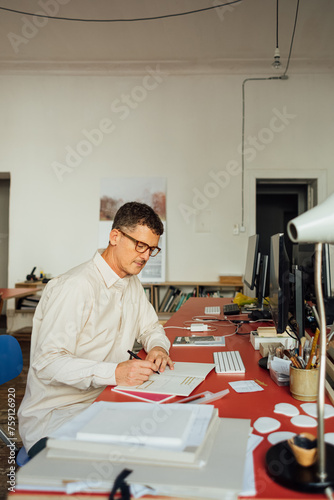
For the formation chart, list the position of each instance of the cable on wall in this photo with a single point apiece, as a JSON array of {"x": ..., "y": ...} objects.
[
  {"x": 284, "y": 76},
  {"x": 292, "y": 39},
  {"x": 154, "y": 18}
]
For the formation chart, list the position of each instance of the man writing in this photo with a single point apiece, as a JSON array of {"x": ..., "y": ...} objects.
[{"x": 86, "y": 321}]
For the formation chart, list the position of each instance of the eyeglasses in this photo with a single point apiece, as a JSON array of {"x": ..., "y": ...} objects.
[{"x": 142, "y": 247}]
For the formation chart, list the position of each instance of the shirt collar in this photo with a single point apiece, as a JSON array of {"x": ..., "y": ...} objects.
[{"x": 109, "y": 276}]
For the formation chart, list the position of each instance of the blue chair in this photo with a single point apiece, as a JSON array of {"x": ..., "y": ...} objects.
[
  {"x": 11, "y": 361},
  {"x": 11, "y": 364}
]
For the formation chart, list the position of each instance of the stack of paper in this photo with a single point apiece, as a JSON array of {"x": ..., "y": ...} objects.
[
  {"x": 178, "y": 434},
  {"x": 220, "y": 478}
]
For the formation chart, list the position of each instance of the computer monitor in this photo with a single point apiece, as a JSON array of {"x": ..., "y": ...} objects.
[
  {"x": 279, "y": 284},
  {"x": 298, "y": 302},
  {"x": 261, "y": 281},
  {"x": 327, "y": 265},
  {"x": 252, "y": 261},
  {"x": 328, "y": 281},
  {"x": 304, "y": 258}
]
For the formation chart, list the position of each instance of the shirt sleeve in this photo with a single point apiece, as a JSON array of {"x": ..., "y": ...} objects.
[
  {"x": 59, "y": 319},
  {"x": 151, "y": 332}
]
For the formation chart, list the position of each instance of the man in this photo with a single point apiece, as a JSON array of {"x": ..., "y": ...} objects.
[{"x": 86, "y": 321}]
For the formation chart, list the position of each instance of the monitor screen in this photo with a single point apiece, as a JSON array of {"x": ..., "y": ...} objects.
[
  {"x": 279, "y": 285},
  {"x": 262, "y": 280},
  {"x": 252, "y": 261},
  {"x": 304, "y": 256},
  {"x": 328, "y": 269}
]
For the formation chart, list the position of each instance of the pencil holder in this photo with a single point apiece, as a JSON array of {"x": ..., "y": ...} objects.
[{"x": 304, "y": 383}]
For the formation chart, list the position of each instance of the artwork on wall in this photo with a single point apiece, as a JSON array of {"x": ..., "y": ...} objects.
[{"x": 114, "y": 192}]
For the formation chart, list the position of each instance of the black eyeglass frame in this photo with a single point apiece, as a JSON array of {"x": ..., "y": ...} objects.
[{"x": 147, "y": 247}]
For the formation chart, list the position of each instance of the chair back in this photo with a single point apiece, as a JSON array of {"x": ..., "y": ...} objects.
[{"x": 11, "y": 361}]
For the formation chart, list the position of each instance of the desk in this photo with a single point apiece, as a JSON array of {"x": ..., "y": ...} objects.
[
  {"x": 17, "y": 293},
  {"x": 247, "y": 405}
]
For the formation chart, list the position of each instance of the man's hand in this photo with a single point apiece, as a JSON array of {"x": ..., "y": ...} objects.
[
  {"x": 134, "y": 372},
  {"x": 160, "y": 358}
]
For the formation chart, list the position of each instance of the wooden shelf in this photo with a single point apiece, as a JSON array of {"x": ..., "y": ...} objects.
[{"x": 157, "y": 292}]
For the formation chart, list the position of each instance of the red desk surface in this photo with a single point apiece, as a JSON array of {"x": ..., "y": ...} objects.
[{"x": 235, "y": 405}]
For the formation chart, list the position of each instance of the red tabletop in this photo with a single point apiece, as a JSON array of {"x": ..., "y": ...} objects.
[{"x": 236, "y": 405}]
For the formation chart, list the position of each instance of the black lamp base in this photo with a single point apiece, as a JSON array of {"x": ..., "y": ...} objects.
[{"x": 284, "y": 469}]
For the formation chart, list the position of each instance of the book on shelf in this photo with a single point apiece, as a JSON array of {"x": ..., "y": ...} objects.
[
  {"x": 182, "y": 300},
  {"x": 197, "y": 340},
  {"x": 172, "y": 298},
  {"x": 27, "y": 303},
  {"x": 173, "y": 301},
  {"x": 180, "y": 381},
  {"x": 170, "y": 290},
  {"x": 147, "y": 291},
  {"x": 156, "y": 298}
]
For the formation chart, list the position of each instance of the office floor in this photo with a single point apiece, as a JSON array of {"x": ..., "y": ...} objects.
[{"x": 19, "y": 385}]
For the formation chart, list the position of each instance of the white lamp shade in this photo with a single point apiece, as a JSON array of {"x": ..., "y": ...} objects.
[{"x": 315, "y": 225}]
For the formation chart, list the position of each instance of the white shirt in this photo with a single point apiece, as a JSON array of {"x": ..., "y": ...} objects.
[{"x": 83, "y": 326}]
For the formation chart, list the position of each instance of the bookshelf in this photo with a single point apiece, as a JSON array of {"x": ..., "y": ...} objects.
[
  {"x": 167, "y": 297},
  {"x": 227, "y": 286}
]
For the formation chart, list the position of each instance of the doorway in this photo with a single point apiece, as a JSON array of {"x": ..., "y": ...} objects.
[
  {"x": 277, "y": 202},
  {"x": 4, "y": 232}
]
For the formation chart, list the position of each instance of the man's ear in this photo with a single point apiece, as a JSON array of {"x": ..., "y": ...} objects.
[{"x": 114, "y": 237}]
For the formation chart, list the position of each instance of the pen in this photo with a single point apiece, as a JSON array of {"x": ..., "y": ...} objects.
[{"x": 138, "y": 357}]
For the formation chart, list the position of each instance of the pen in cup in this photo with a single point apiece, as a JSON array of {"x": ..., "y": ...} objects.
[{"x": 138, "y": 357}]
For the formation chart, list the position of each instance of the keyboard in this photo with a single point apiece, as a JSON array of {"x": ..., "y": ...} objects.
[
  {"x": 228, "y": 362},
  {"x": 231, "y": 309},
  {"x": 212, "y": 310}
]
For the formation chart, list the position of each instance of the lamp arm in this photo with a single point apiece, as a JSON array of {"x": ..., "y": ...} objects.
[{"x": 322, "y": 474}]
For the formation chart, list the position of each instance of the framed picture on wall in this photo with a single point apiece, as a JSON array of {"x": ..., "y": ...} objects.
[{"x": 114, "y": 192}]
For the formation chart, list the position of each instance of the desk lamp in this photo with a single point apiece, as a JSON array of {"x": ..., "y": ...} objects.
[{"x": 314, "y": 226}]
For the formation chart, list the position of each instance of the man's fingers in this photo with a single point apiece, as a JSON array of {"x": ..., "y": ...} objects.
[
  {"x": 161, "y": 361},
  {"x": 134, "y": 372}
]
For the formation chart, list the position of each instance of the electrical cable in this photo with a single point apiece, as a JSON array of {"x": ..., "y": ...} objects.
[
  {"x": 276, "y": 24},
  {"x": 153, "y": 18},
  {"x": 243, "y": 142},
  {"x": 281, "y": 77},
  {"x": 179, "y": 327},
  {"x": 292, "y": 39}
]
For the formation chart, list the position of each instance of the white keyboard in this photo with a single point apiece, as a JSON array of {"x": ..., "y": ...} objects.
[
  {"x": 228, "y": 362},
  {"x": 212, "y": 310}
]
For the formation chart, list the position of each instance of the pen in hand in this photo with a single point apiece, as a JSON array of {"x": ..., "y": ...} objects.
[{"x": 138, "y": 357}]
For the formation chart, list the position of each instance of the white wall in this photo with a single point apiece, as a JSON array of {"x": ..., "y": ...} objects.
[{"x": 183, "y": 127}]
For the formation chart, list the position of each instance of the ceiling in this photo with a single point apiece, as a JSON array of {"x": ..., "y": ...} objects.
[{"x": 235, "y": 38}]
